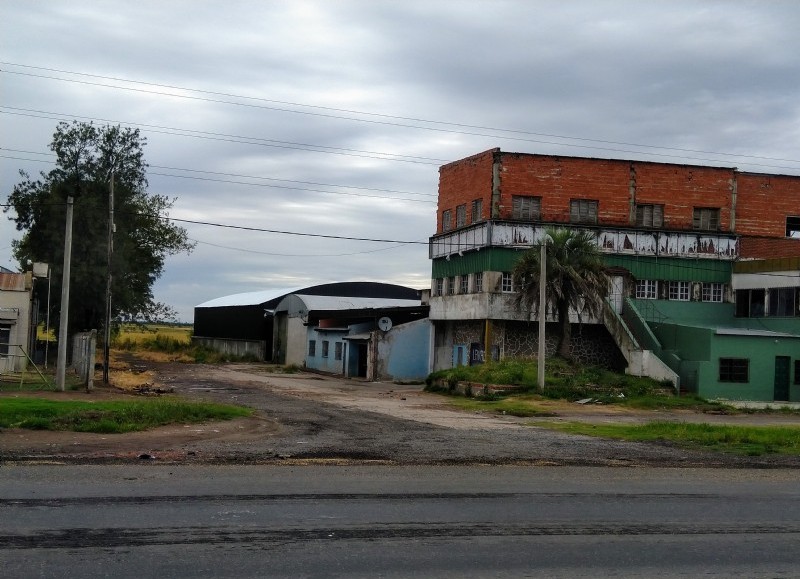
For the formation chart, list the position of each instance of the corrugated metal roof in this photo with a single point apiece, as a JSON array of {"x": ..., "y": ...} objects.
[
  {"x": 328, "y": 303},
  {"x": 751, "y": 332},
  {"x": 14, "y": 282}
]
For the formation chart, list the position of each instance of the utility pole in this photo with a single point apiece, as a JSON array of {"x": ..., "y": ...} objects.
[
  {"x": 107, "y": 336},
  {"x": 542, "y": 312},
  {"x": 61, "y": 366}
]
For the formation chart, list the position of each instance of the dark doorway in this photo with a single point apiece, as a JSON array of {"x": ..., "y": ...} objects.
[
  {"x": 782, "y": 378},
  {"x": 362, "y": 361}
]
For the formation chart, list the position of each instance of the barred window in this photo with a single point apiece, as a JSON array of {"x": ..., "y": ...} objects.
[
  {"x": 734, "y": 370},
  {"x": 679, "y": 290},
  {"x": 646, "y": 289},
  {"x": 526, "y": 207},
  {"x": 706, "y": 218},
  {"x": 583, "y": 211},
  {"x": 712, "y": 292},
  {"x": 464, "y": 285},
  {"x": 650, "y": 215}
]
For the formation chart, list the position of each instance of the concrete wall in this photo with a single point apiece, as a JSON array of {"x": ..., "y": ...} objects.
[
  {"x": 296, "y": 342},
  {"x": 231, "y": 347},
  {"x": 15, "y": 313},
  {"x": 403, "y": 351}
]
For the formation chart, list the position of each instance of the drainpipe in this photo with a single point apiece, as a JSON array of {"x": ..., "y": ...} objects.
[
  {"x": 496, "y": 166},
  {"x": 734, "y": 191}
]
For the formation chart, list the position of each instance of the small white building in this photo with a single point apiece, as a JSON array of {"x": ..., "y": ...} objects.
[{"x": 16, "y": 294}]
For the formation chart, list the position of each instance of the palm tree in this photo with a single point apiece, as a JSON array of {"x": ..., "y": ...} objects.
[{"x": 576, "y": 280}]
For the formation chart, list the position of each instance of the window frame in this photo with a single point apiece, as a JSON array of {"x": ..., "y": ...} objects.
[
  {"x": 646, "y": 289},
  {"x": 776, "y": 297},
  {"x": 478, "y": 282},
  {"x": 709, "y": 293},
  {"x": 797, "y": 371},
  {"x": 793, "y": 226},
  {"x": 477, "y": 211},
  {"x": 325, "y": 348},
  {"x": 461, "y": 215},
  {"x": 679, "y": 291},
  {"x": 584, "y": 211},
  {"x": 5, "y": 346},
  {"x": 507, "y": 283},
  {"x": 312, "y": 348},
  {"x": 337, "y": 351},
  {"x": 526, "y": 207},
  {"x": 463, "y": 287},
  {"x": 447, "y": 220},
  {"x": 732, "y": 370},
  {"x": 451, "y": 285},
  {"x": 706, "y": 218},
  {"x": 655, "y": 217},
  {"x": 438, "y": 286}
]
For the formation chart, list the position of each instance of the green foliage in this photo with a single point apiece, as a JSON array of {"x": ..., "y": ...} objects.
[
  {"x": 86, "y": 156},
  {"x": 745, "y": 440},
  {"x": 110, "y": 417}
]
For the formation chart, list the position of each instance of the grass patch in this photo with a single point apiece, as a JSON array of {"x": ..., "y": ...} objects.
[
  {"x": 511, "y": 405},
  {"x": 112, "y": 416},
  {"x": 743, "y": 440},
  {"x": 572, "y": 382}
]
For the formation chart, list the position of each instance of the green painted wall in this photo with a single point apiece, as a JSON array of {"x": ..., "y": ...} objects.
[{"x": 642, "y": 267}]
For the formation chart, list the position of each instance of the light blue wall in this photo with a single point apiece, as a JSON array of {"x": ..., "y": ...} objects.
[
  {"x": 404, "y": 350},
  {"x": 329, "y": 364}
]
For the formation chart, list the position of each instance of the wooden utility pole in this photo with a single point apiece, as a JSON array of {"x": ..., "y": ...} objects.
[
  {"x": 61, "y": 365},
  {"x": 542, "y": 312},
  {"x": 107, "y": 333}
]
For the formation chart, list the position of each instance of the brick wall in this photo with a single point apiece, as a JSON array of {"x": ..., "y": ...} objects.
[
  {"x": 764, "y": 201},
  {"x": 461, "y": 182},
  {"x": 768, "y": 247}
]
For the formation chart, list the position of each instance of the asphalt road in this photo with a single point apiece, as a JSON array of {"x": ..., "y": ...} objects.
[{"x": 396, "y": 521}]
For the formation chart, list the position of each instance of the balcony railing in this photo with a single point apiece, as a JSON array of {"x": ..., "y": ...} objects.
[{"x": 631, "y": 241}]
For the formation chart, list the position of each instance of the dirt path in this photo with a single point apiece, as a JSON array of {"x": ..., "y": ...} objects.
[{"x": 306, "y": 417}]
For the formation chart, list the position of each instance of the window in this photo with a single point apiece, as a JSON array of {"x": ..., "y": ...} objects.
[
  {"x": 461, "y": 216},
  {"x": 324, "y": 348},
  {"x": 478, "y": 282},
  {"x": 583, "y": 211},
  {"x": 312, "y": 348},
  {"x": 781, "y": 301},
  {"x": 337, "y": 350},
  {"x": 750, "y": 303},
  {"x": 793, "y": 226},
  {"x": 734, "y": 370},
  {"x": 5, "y": 338},
  {"x": 712, "y": 292},
  {"x": 477, "y": 210},
  {"x": 464, "y": 285},
  {"x": 650, "y": 215},
  {"x": 451, "y": 285},
  {"x": 525, "y": 207},
  {"x": 439, "y": 286},
  {"x": 705, "y": 218},
  {"x": 646, "y": 289},
  {"x": 797, "y": 371},
  {"x": 447, "y": 220},
  {"x": 679, "y": 290},
  {"x": 507, "y": 283}
]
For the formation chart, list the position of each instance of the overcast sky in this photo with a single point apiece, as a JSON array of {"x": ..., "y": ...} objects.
[{"x": 332, "y": 118}]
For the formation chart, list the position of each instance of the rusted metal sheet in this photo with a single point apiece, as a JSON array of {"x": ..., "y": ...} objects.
[{"x": 14, "y": 282}]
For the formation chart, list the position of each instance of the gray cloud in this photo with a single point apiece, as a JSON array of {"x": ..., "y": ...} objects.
[{"x": 719, "y": 77}]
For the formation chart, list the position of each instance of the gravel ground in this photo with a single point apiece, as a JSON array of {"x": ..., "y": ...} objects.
[{"x": 306, "y": 418}]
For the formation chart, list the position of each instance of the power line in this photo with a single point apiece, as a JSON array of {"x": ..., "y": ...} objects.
[
  {"x": 258, "y": 252},
  {"x": 366, "y": 113}
]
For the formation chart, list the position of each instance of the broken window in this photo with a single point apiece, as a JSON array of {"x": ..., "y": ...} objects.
[
  {"x": 646, "y": 289},
  {"x": 583, "y": 211},
  {"x": 793, "y": 226},
  {"x": 447, "y": 220},
  {"x": 464, "y": 284},
  {"x": 507, "y": 283},
  {"x": 650, "y": 215},
  {"x": 734, "y": 370},
  {"x": 526, "y": 207},
  {"x": 479, "y": 282},
  {"x": 705, "y": 218}
]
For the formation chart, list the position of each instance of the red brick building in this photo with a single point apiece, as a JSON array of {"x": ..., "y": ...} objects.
[{"x": 670, "y": 232}]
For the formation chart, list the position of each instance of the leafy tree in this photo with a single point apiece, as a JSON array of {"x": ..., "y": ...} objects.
[
  {"x": 86, "y": 156},
  {"x": 576, "y": 280}
]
